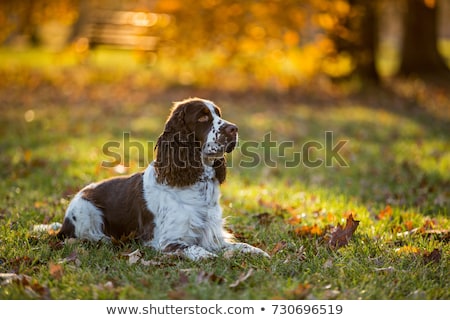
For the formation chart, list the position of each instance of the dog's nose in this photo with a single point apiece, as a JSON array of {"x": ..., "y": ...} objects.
[{"x": 230, "y": 129}]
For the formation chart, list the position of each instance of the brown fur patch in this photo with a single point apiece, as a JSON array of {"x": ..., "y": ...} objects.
[{"x": 123, "y": 205}]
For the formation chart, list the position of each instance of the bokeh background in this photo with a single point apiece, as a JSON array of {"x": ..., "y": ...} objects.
[{"x": 236, "y": 45}]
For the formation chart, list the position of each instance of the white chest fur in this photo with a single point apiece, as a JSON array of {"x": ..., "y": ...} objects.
[{"x": 187, "y": 215}]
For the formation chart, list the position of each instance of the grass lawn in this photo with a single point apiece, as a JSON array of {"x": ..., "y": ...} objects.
[{"x": 395, "y": 181}]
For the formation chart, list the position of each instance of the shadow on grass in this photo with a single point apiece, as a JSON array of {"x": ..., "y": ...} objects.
[{"x": 397, "y": 147}]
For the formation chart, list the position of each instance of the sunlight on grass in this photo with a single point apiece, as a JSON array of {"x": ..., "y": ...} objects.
[{"x": 54, "y": 129}]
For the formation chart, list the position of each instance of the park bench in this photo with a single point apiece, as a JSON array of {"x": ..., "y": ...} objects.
[{"x": 129, "y": 30}]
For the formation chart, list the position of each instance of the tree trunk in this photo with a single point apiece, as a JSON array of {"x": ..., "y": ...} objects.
[
  {"x": 360, "y": 39},
  {"x": 419, "y": 54},
  {"x": 84, "y": 11},
  {"x": 366, "y": 28}
]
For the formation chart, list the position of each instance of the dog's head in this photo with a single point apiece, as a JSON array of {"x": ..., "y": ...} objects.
[{"x": 194, "y": 135}]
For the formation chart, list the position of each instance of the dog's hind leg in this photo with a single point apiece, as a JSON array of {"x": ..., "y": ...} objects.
[{"x": 82, "y": 220}]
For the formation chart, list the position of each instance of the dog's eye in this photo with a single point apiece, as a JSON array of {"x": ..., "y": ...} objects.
[{"x": 203, "y": 118}]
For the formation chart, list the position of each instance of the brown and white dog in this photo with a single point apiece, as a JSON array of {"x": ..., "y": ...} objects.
[{"x": 172, "y": 206}]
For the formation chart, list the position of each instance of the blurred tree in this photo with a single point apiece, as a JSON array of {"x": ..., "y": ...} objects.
[
  {"x": 20, "y": 20},
  {"x": 84, "y": 9},
  {"x": 420, "y": 55},
  {"x": 354, "y": 32}
]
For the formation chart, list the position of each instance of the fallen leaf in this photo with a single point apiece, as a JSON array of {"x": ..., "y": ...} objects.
[
  {"x": 385, "y": 213},
  {"x": 56, "y": 270},
  {"x": 308, "y": 231},
  {"x": 300, "y": 292},
  {"x": 38, "y": 290},
  {"x": 72, "y": 257},
  {"x": 204, "y": 276},
  {"x": 133, "y": 257},
  {"x": 32, "y": 287},
  {"x": 295, "y": 220},
  {"x": 7, "y": 278},
  {"x": 433, "y": 256},
  {"x": 177, "y": 294},
  {"x": 440, "y": 235},
  {"x": 386, "y": 270},
  {"x": 340, "y": 236},
  {"x": 331, "y": 294},
  {"x": 264, "y": 218},
  {"x": 242, "y": 278},
  {"x": 407, "y": 249},
  {"x": 55, "y": 244},
  {"x": 298, "y": 256},
  {"x": 278, "y": 247}
]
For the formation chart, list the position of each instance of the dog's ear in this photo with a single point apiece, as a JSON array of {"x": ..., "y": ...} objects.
[
  {"x": 220, "y": 166},
  {"x": 178, "y": 157}
]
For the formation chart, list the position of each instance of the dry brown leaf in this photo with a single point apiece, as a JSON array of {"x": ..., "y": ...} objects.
[
  {"x": 72, "y": 257},
  {"x": 7, "y": 278},
  {"x": 264, "y": 218},
  {"x": 300, "y": 292},
  {"x": 308, "y": 231},
  {"x": 242, "y": 278},
  {"x": 433, "y": 256},
  {"x": 32, "y": 287},
  {"x": 177, "y": 294},
  {"x": 38, "y": 290},
  {"x": 278, "y": 247},
  {"x": 56, "y": 270},
  {"x": 204, "y": 276},
  {"x": 340, "y": 236}
]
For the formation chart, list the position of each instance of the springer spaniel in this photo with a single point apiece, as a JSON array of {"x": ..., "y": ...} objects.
[{"x": 173, "y": 206}]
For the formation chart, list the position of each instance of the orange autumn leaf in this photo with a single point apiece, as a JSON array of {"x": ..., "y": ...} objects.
[
  {"x": 315, "y": 230},
  {"x": 341, "y": 235},
  {"x": 298, "y": 293},
  {"x": 407, "y": 249},
  {"x": 409, "y": 225},
  {"x": 56, "y": 271},
  {"x": 385, "y": 213},
  {"x": 303, "y": 231},
  {"x": 294, "y": 220}
]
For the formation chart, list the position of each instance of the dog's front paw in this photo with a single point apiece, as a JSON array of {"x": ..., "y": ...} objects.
[{"x": 246, "y": 248}]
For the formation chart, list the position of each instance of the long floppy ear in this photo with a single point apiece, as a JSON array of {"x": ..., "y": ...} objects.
[
  {"x": 178, "y": 158},
  {"x": 220, "y": 166}
]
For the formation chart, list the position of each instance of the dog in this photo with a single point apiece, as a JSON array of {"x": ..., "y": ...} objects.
[{"x": 172, "y": 206}]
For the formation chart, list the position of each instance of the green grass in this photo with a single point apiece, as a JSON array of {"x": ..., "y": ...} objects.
[{"x": 397, "y": 153}]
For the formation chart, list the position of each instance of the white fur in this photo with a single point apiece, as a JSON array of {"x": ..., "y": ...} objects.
[
  {"x": 190, "y": 216},
  {"x": 211, "y": 145}
]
